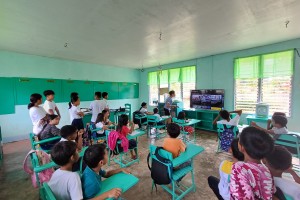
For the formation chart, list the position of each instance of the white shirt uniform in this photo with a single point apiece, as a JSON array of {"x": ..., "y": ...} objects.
[
  {"x": 36, "y": 114},
  {"x": 103, "y": 105},
  {"x": 288, "y": 187},
  {"x": 96, "y": 109},
  {"x": 282, "y": 130},
  {"x": 73, "y": 113},
  {"x": 49, "y": 105},
  {"x": 233, "y": 122},
  {"x": 100, "y": 125},
  {"x": 66, "y": 185},
  {"x": 143, "y": 110}
]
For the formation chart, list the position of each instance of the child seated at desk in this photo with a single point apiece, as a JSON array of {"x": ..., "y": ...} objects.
[
  {"x": 106, "y": 117},
  {"x": 278, "y": 162},
  {"x": 144, "y": 110},
  {"x": 279, "y": 123},
  {"x": 221, "y": 186},
  {"x": 100, "y": 123},
  {"x": 50, "y": 130},
  {"x": 124, "y": 130},
  {"x": 96, "y": 157},
  {"x": 225, "y": 115},
  {"x": 188, "y": 129},
  {"x": 251, "y": 179},
  {"x": 269, "y": 123}
]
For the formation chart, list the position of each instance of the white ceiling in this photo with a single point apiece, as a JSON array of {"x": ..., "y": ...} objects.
[{"x": 126, "y": 33}]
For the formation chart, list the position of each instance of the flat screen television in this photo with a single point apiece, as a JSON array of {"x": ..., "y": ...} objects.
[{"x": 207, "y": 99}]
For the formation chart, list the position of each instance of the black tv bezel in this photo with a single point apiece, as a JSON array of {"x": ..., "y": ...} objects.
[{"x": 207, "y": 89}]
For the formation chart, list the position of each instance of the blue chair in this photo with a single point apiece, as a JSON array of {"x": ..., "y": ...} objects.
[
  {"x": 95, "y": 136},
  {"x": 142, "y": 119},
  {"x": 121, "y": 158},
  {"x": 153, "y": 122},
  {"x": 221, "y": 129},
  {"x": 36, "y": 143},
  {"x": 178, "y": 192}
]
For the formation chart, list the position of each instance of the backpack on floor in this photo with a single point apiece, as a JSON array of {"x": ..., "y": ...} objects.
[
  {"x": 43, "y": 176},
  {"x": 226, "y": 137},
  {"x": 160, "y": 168}
]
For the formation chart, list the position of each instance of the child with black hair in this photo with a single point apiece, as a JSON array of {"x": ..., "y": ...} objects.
[
  {"x": 103, "y": 103},
  {"x": 64, "y": 183},
  {"x": 225, "y": 115},
  {"x": 95, "y": 107},
  {"x": 124, "y": 130},
  {"x": 100, "y": 123},
  {"x": 221, "y": 186},
  {"x": 188, "y": 129},
  {"x": 144, "y": 110},
  {"x": 71, "y": 133},
  {"x": 279, "y": 123},
  {"x": 96, "y": 157},
  {"x": 50, "y": 130},
  {"x": 49, "y": 104},
  {"x": 75, "y": 113},
  {"x": 173, "y": 144},
  {"x": 251, "y": 179},
  {"x": 269, "y": 123},
  {"x": 37, "y": 113},
  {"x": 106, "y": 117},
  {"x": 278, "y": 162}
]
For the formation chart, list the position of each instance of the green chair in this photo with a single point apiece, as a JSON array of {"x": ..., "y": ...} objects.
[
  {"x": 128, "y": 109},
  {"x": 184, "y": 134},
  {"x": 46, "y": 192},
  {"x": 35, "y": 143},
  {"x": 178, "y": 191},
  {"x": 121, "y": 158},
  {"x": 142, "y": 120},
  {"x": 94, "y": 135},
  {"x": 290, "y": 140},
  {"x": 153, "y": 122},
  {"x": 224, "y": 127}
]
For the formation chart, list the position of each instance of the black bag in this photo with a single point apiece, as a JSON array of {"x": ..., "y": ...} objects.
[{"x": 160, "y": 168}]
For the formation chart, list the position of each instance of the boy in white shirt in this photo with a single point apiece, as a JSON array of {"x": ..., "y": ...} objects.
[
  {"x": 103, "y": 103},
  {"x": 225, "y": 115},
  {"x": 279, "y": 126},
  {"x": 96, "y": 107},
  {"x": 278, "y": 162},
  {"x": 49, "y": 105}
]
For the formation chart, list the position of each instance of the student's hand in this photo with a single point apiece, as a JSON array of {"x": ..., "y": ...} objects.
[
  {"x": 126, "y": 171},
  {"x": 80, "y": 132},
  {"x": 114, "y": 193},
  {"x": 81, "y": 114}
]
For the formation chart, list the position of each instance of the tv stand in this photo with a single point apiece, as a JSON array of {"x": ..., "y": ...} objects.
[{"x": 206, "y": 116}]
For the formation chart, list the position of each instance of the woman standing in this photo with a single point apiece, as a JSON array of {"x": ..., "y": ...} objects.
[
  {"x": 168, "y": 103},
  {"x": 37, "y": 113}
]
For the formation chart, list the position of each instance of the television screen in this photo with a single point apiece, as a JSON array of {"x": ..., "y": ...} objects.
[{"x": 207, "y": 99}]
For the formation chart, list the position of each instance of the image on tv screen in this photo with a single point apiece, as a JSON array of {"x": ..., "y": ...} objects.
[{"x": 207, "y": 99}]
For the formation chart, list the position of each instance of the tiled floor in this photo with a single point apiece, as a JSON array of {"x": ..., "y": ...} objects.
[{"x": 16, "y": 184}]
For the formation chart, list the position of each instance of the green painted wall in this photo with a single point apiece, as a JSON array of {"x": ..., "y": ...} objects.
[
  {"x": 16, "y": 126},
  {"x": 216, "y": 72}
]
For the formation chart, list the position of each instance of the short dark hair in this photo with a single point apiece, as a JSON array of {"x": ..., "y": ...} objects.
[
  {"x": 62, "y": 152},
  {"x": 280, "y": 158},
  {"x": 143, "y": 104},
  {"x": 67, "y": 130},
  {"x": 281, "y": 120},
  {"x": 52, "y": 117},
  {"x": 94, "y": 154},
  {"x": 100, "y": 118},
  {"x": 256, "y": 143},
  {"x": 48, "y": 92},
  {"x": 224, "y": 114},
  {"x": 74, "y": 94},
  {"x": 181, "y": 115},
  {"x": 98, "y": 94},
  {"x": 155, "y": 110},
  {"x": 171, "y": 92},
  {"x": 104, "y": 94},
  {"x": 173, "y": 130},
  {"x": 235, "y": 150}
]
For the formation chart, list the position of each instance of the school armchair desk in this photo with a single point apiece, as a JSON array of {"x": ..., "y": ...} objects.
[
  {"x": 120, "y": 180},
  {"x": 153, "y": 122},
  {"x": 46, "y": 192},
  {"x": 35, "y": 143},
  {"x": 182, "y": 123}
]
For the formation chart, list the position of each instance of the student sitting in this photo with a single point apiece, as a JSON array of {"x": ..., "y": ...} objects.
[
  {"x": 144, "y": 110},
  {"x": 64, "y": 183},
  {"x": 251, "y": 179},
  {"x": 75, "y": 113},
  {"x": 278, "y": 162},
  {"x": 124, "y": 131},
  {"x": 49, "y": 104},
  {"x": 279, "y": 126},
  {"x": 221, "y": 187},
  {"x": 95, "y": 107},
  {"x": 96, "y": 157},
  {"x": 100, "y": 123},
  {"x": 225, "y": 115},
  {"x": 106, "y": 117},
  {"x": 156, "y": 114},
  {"x": 269, "y": 123},
  {"x": 50, "y": 130},
  {"x": 188, "y": 129}
]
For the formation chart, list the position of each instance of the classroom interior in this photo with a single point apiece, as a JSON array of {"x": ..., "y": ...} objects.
[{"x": 113, "y": 46}]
